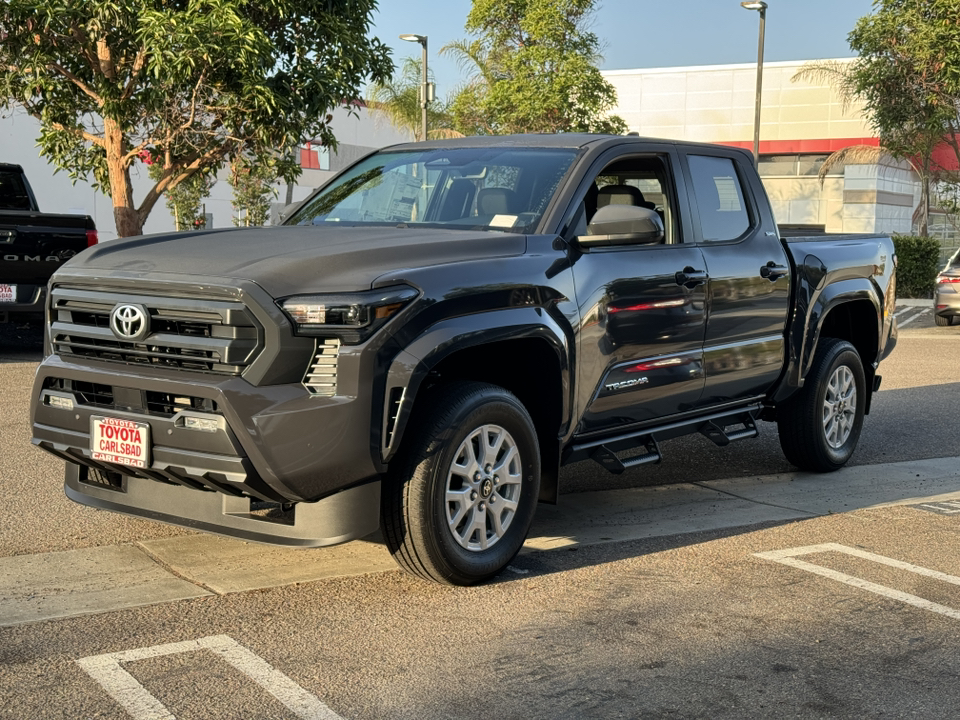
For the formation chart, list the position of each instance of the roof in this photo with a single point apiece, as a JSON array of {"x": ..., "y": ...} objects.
[{"x": 533, "y": 140}]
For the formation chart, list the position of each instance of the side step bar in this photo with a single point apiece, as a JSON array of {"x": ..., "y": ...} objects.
[{"x": 714, "y": 427}]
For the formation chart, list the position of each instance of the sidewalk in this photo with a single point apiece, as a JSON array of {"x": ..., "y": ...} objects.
[{"x": 104, "y": 579}]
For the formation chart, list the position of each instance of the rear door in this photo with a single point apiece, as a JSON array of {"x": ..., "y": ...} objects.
[
  {"x": 642, "y": 307},
  {"x": 748, "y": 293}
]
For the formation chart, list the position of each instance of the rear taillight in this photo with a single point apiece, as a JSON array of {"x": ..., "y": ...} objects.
[
  {"x": 949, "y": 279},
  {"x": 91, "y": 238}
]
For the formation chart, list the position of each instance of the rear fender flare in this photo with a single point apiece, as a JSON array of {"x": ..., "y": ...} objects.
[{"x": 827, "y": 300}]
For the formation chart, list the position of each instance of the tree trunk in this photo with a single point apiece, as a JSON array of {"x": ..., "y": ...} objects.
[{"x": 125, "y": 215}]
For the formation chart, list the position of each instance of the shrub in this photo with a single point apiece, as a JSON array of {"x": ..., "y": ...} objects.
[{"x": 918, "y": 261}]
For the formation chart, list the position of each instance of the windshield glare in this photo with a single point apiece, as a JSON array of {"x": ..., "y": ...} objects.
[{"x": 505, "y": 189}]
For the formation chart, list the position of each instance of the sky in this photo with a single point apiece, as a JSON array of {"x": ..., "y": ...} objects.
[{"x": 648, "y": 33}]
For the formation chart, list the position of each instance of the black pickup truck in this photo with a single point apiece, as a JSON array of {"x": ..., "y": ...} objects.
[
  {"x": 440, "y": 328},
  {"x": 32, "y": 246}
]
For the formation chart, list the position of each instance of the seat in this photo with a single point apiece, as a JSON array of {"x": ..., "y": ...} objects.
[
  {"x": 496, "y": 201},
  {"x": 622, "y": 195},
  {"x": 457, "y": 202}
]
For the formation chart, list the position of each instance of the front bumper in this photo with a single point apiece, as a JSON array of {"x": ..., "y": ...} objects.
[
  {"x": 344, "y": 516},
  {"x": 272, "y": 444}
]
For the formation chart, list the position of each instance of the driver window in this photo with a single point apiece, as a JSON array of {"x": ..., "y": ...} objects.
[{"x": 640, "y": 181}]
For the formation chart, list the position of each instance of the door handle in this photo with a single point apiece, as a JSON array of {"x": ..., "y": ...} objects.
[
  {"x": 771, "y": 271},
  {"x": 691, "y": 278}
]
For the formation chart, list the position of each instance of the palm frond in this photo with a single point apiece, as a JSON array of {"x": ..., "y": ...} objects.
[
  {"x": 853, "y": 155},
  {"x": 838, "y": 74}
]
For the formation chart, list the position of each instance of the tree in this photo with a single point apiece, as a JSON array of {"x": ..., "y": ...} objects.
[
  {"x": 186, "y": 198},
  {"x": 533, "y": 70},
  {"x": 907, "y": 75},
  {"x": 252, "y": 183},
  {"x": 398, "y": 98},
  {"x": 190, "y": 81}
]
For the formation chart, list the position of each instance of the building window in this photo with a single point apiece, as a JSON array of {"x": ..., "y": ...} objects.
[{"x": 795, "y": 165}]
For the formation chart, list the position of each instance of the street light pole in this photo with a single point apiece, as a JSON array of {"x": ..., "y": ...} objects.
[
  {"x": 762, "y": 7},
  {"x": 424, "y": 86}
]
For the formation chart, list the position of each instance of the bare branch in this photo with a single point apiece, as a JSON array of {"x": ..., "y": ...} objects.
[
  {"x": 77, "y": 81},
  {"x": 138, "y": 62},
  {"x": 173, "y": 175}
]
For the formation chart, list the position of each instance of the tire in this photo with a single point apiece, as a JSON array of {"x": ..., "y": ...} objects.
[
  {"x": 820, "y": 426},
  {"x": 436, "y": 513},
  {"x": 943, "y": 321}
]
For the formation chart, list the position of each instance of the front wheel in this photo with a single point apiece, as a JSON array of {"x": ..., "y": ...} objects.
[
  {"x": 819, "y": 427},
  {"x": 459, "y": 499}
]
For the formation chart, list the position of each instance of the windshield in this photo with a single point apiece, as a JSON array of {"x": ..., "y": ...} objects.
[{"x": 505, "y": 189}]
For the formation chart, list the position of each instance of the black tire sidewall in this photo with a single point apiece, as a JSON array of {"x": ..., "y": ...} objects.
[
  {"x": 497, "y": 407},
  {"x": 841, "y": 354}
]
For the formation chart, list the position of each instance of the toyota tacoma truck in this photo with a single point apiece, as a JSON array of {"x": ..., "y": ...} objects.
[
  {"x": 435, "y": 332},
  {"x": 32, "y": 246}
]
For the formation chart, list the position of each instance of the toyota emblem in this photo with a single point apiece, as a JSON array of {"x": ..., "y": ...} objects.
[{"x": 130, "y": 322}]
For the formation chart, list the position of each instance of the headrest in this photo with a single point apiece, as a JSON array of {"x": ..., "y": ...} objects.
[
  {"x": 496, "y": 201},
  {"x": 620, "y": 195}
]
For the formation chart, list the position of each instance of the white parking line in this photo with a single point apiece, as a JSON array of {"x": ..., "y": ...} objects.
[
  {"x": 903, "y": 310},
  {"x": 789, "y": 557},
  {"x": 141, "y": 705},
  {"x": 912, "y": 318}
]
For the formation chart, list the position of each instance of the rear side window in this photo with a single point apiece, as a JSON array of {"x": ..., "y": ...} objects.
[
  {"x": 13, "y": 193},
  {"x": 723, "y": 212}
]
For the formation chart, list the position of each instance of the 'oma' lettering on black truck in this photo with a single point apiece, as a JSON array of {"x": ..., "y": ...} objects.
[
  {"x": 32, "y": 246},
  {"x": 440, "y": 328}
]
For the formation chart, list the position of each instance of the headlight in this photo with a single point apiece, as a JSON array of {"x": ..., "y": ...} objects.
[{"x": 352, "y": 317}]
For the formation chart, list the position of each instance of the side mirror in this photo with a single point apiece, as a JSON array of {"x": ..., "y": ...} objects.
[
  {"x": 289, "y": 210},
  {"x": 623, "y": 225}
]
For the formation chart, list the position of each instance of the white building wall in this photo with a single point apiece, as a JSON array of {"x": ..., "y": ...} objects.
[
  {"x": 716, "y": 104},
  {"x": 357, "y": 132}
]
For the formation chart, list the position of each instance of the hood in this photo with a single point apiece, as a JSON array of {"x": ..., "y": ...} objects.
[{"x": 291, "y": 260}]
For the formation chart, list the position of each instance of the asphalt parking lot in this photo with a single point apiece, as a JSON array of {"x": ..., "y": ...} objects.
[{"x": 719, "y": 584}]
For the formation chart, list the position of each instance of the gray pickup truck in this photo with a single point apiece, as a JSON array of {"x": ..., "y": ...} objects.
[
  {"x": 440, "y": 328},
  {"x": 33, "y": 245}
]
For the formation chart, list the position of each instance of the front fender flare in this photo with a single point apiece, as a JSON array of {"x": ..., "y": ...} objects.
[{"x": 412, "y": 365}]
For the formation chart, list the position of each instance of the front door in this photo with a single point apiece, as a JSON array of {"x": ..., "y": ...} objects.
[{"x": 642, "y": 307}]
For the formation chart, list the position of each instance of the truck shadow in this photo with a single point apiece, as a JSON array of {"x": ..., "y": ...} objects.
[{"x": 21, "y": 343}]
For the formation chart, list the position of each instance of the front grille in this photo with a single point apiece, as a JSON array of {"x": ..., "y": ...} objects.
[
  {"x": 321, "y": 377},
  {"x": 201, "y": 335}
]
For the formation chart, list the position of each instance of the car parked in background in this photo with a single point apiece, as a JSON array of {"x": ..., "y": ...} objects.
[{"x": 946, "y": 297}]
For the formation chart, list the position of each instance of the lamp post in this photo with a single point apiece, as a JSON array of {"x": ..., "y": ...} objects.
[
  {"x": 762, "y": 7},
  {"x": 424, "y": 88}
]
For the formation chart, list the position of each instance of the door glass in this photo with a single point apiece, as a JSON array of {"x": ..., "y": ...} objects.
[{"x": 723, "y": 212}]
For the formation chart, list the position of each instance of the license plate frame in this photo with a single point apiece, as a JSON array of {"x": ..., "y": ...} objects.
[
  {"x": 120, "y": 441},
  {"x": 8, "y": 293}
]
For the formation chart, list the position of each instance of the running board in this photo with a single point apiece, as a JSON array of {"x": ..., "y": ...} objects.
[
  {"x": 606, "y": 457},
  {"x": 719, "y": 436},
  {"x": 714, "y": 427}
]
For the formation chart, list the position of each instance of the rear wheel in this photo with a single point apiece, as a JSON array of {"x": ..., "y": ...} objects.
[
  {"x": 943, "y": 321},
  {"x": 820, "y": 426},
  {"x": 459, "y": 499}
]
